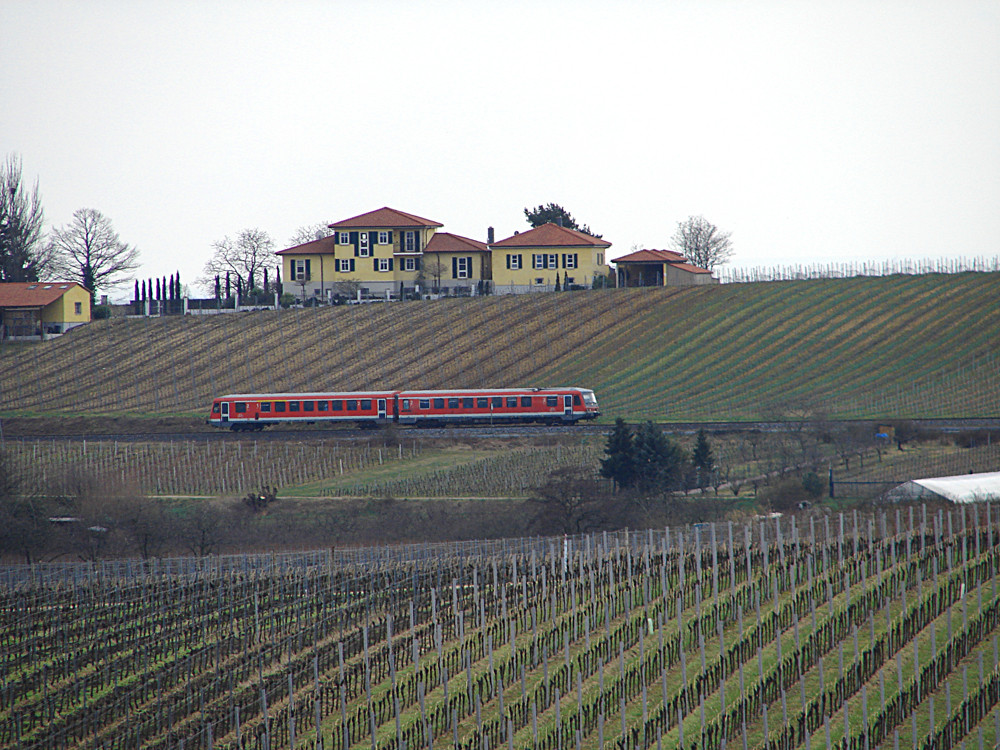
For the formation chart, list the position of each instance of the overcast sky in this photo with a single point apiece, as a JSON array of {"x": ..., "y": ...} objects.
[{"x": 814, "y": 132}]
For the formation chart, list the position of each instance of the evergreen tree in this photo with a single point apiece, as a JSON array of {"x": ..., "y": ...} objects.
[
  {"x": 702, "y": 459},
  {"x": 659, "y": 461},
  {"x": 619, "y": 465}
]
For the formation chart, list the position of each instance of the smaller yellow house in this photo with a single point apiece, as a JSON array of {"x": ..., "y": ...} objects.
[
  {"x": 532, "y": 261},
  {"x": 38, "y": 309},
  {"x": 455, "y": 265}
]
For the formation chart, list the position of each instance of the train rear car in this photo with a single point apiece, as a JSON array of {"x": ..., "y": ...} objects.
[{"x": 254, "y": 411}]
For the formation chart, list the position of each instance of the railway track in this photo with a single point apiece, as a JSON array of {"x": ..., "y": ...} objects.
[{"x": 467, "y": 432}]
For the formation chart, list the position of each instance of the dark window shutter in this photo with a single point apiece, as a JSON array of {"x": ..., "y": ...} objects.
[
  {"x": 390, "y": 238},
  {"x": 354, "y": 241},
  {"x": 375, "y": 261},
  {"x": 508, "y": 260},
  {"x": 454, "y": 268},
  {"x": 416, "y": 241},
  {"x": 308, "y": 274},
  {"x": 352, "y": 263},
  {"x": 468, "y": 265},
  {"x": 390, "y": 264},
  {"x": 416, "y": 264},
  {"x": 372, "y": 239}
]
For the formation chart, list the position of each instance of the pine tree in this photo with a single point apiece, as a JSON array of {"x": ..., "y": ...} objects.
[
  {"x": 619, "y": 465},
  {"x": 659, "y": 461}
]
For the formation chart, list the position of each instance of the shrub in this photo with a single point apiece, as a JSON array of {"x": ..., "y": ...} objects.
[
  {"x": 100, "y": 312},
  {"x": 812, "y": 484}
]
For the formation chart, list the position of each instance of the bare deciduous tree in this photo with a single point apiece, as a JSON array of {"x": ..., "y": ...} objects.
[
  {"x": 23, "y": 256},
  {"x": 90, "y": 251},
  {"x": 245, "y": 257},
  {"x": 701, "y": 242},
  {"x": 310, "y": 232}
]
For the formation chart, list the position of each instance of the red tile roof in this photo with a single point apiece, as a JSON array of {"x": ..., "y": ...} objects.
[
  {"x": 322, "y": 246},
  {"x": 384, "y": 218},
  {"x": 651, "y": 256},
  {"x": 551, "y": 235},
  {"x": 689, "y": 268},
  {"x": 444, "y": 242},
  {"x": 33, "y": 294},
  {"x": 676, "y": 260}
]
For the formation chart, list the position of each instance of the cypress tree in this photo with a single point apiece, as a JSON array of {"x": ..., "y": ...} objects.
[{"x": 702, "y": 459}]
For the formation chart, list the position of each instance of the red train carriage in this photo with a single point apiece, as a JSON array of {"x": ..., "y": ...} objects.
[{"x": 254, "y": 411}]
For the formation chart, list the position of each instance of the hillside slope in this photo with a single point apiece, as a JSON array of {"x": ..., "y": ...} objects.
[{"x": 887, "y": 347}]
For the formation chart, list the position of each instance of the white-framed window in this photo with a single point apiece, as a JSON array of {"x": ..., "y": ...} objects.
[
  {"x": 78, "y": 308},
  {"x": 553, "y": 260},
  {"x": 537, "y": 260},
  {"x": 343, "y": 238},
  {"x": 600, "y": 259},
  {"x": 463, "y": 268},
  {"x": 569, "y": 260},
  {"x": 384, "y": 265},
  {"x": 383, "y": 238},
  {"x": 345, "y": 265},
  {"x": 364, "y": 249},
  {"x": 513, "y": 261},
  {"x": 539, "y": 282},
  {"x": 410, "y": 242},
  {"x": 300, "y": 270},
  {"x": 409, "y": 264}
]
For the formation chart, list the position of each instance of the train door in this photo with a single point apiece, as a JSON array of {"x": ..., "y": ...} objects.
[
  {"x": 568, "y": 406},
  {"x": 381, "y": 408},
  {"x": 225, "y": 411}
]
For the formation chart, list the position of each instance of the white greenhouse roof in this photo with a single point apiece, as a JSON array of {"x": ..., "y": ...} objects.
[{"x": 964, "y": 488}]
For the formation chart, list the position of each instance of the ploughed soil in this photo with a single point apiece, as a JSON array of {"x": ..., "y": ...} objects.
[{"x": 80, "y": 425}]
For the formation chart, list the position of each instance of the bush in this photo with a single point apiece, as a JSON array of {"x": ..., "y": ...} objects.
[
  {"x": 100, "y": 312},
  {"x": 813, "y": 485},
  {"x": 974, "y": 438}
]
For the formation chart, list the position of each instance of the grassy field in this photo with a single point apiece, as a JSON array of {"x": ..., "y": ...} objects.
[
  {"x": 823, "y": 631},
  {"x": 878, "y": 348}
]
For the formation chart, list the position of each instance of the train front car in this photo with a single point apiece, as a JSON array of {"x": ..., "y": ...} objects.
[{"x": 590, "y": 408}]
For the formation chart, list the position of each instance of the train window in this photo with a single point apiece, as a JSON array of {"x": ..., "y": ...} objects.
[
  {"x": 352, "y": 405},
  {"x": 452, "y": 403},
  {"x": 241, "y": 407},
  {"x": 279, "y": 406},
  {"x": 406, "y": 404},
  {"x": 497, "y": 402},
  {"x": 323, "y": 406},
  {"x": 337, "y": 405},
  {"x": 216, "y": 408},
  {"x": 293, "y": 406},
  {"x": 468, "y": 402},
  {"x": 425, "y": 403},
  {"x": 512, "y": 402},
  {"x": 366, "y": 405},
  {"x": 482, "y": 403},
  {"x": 439, "y": 403},
  {"x": 577, "y": 401},
  {"x": 265, "y": 406},
  {"x": 526, "y": 401},
  {"x": 552, "y": 401},
  {"x": 307, "y": 406}
]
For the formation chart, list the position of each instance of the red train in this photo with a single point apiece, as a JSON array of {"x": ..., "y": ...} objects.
[{"x": 255, "y": 411}]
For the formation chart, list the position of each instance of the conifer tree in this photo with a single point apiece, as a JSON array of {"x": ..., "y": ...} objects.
[
  {"x": 702, "y": 459},
  {"x": 659, "y": 461},
  {"x": 619, "y": 466}
]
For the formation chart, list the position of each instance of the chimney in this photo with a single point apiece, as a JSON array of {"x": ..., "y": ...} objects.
[{"x": 489, "y": 235}]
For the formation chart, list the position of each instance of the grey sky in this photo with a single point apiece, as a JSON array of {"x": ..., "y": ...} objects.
[{"x": 814, "y": 132}]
